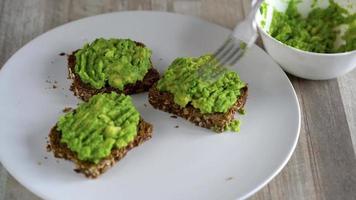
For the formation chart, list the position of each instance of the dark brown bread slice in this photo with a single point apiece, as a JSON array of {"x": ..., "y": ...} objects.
[
  {"x": 216, "y": 121},
  {"x": 85, "y": 91},
  {"x": 89, "y": 169}
]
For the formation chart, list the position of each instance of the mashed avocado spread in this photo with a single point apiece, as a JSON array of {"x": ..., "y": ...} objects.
[
  {"x": 183, "y": 82},
  {"x": 233, "y": 126},
  {"x": 315, "y": 33},
  {"x": 114, "y": 61},
  {"x": 105, "y": 122}
]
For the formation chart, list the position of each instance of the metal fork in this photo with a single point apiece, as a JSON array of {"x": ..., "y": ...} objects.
[{"x": 227, "y": 55}]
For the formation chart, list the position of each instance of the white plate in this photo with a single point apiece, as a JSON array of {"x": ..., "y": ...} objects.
[{"x": 177, "y": 163}]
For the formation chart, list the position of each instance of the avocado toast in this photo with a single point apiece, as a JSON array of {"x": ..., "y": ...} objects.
[
  {"x": 180, "y": 91},
  {"x": 106, "y": 65},
  {"x": 98, "y": 133}
]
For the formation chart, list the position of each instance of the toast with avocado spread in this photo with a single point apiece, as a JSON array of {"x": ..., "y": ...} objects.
[
  {"x": 211, "y": 105},
  {"x": 98, "y": 133},
  {"x": 107, "y": 65}
]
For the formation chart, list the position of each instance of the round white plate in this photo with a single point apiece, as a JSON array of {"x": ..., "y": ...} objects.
[{"x": 188, "y": 162}]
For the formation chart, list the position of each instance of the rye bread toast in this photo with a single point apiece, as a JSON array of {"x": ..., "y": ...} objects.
[
  {"x": 89, "y": 169},
  {"x": 216, "y": 121},
  {"x": 85, "y": 91}
]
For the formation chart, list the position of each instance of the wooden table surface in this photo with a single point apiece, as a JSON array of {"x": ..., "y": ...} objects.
[{"x": 323, "y": 165}]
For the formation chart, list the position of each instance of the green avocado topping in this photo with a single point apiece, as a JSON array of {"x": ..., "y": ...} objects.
[
  {"x": 263, "y": 10},
  {"x": 233, "y": 126},
  {"x": 116, "y": 62},
  {"x": 105, "y": 122},
  {"x": 183, "y": 82},
  {"x": 315, "y": 33},
  {"x": 242, "y": 111}
]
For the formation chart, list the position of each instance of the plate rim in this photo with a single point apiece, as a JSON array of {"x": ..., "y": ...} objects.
[{"x": 245, "y": 196}]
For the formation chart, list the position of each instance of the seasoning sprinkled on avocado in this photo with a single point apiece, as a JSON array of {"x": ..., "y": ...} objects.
[
  {"x": 315, "y": 33},
  {"x": 115, "y": 62},
  {"x": 105, "y": 122},
  {"x": 183, "y": 82}
]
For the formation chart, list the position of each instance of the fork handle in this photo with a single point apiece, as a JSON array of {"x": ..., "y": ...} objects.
[{"x": 247, "y": 29}]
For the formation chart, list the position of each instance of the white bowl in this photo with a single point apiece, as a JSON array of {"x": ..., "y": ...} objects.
[{"x": 309, "y": 65}]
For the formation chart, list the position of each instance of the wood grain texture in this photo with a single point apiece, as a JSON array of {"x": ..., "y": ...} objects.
[
  {"x": 347, "y": 85},
  {"x": 3, "y": 180},
  {"x": 187, "y": 7},
  {"x": 15, "y": 191},
  {"x": 223, "y": 12},
  {"x": 324, "y": 163}
]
